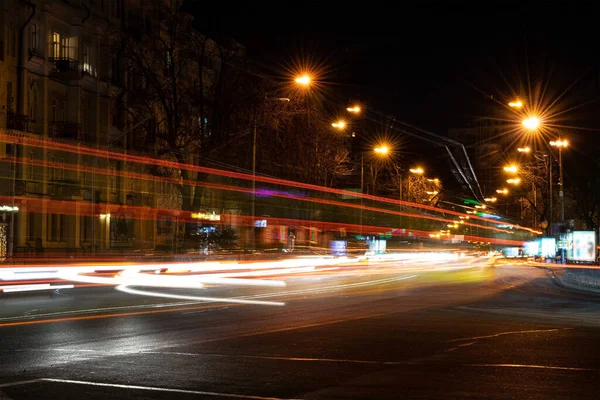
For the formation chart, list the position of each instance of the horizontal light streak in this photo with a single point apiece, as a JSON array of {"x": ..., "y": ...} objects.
[
  {"x": 31, "y": 288},
  {"x": 126, "y": 289},
  {"x": 190, "y": 217},
  {"x": 49, "y": 144}
]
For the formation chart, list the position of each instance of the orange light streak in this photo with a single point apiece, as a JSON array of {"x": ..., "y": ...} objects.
[{"x": 49, "y": 144}]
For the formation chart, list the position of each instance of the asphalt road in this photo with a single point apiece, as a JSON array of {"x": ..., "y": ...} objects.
[{"x": 503, "y": 332}]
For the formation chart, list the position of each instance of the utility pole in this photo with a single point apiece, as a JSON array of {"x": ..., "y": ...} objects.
[
  {"x": 362, "y": 186},
  {"x": 253, "y": 206}
]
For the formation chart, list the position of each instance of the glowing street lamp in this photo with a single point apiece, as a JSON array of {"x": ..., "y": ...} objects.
[
  {"x": 502, "y": 191},
  {"x": 355, "y": 109},
  {"x": 516, "y": 104},
  {"x": 417, "y": 170},
  {"x": 490, "y": 199},
  {"x": 526, "y": 149},
  {"x": 532, "y": 123},
  {"x": 511, "y": 168},
  {"x": 561, "y": 144},
  {"x": 382, "y": 150},
  {"x": 339, "y": 125},
  {"x": 514, "y": 181},
  {"x": 303, "y": 80}
]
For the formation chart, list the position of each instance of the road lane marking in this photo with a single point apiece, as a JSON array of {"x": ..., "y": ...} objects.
[
  {"x": 18, "y": 383},
  {"x": 95, "y": 310},
  {"x": 277, "y": 358},
  {"x": 508, "y": 333},
  {"x": 161, "y": 389},
  {"x": 530, "y": 366},
  {"x": 86, "y": 317}
]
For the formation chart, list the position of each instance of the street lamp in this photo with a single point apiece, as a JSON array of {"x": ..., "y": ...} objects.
[
  {"x": 560, "y": 144},
  {"x": 417, "y": 170},
  {"x": 526, "y": 149},
  {"x": 355, "y": 109},
  {"x": 511, "y": 168},
  {"x": 502, "y": 191},
  {"x": 491, "y": 199},
  {"x": 532, "y": 123},
  {"x": 383, "y": 150},
  {"x": 339, "y": 125},
  {"x": 514, "y": 181},
  {"x": 303, "y": 80}
]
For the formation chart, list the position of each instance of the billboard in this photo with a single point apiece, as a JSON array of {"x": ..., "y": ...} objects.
[
  {"x": 531, "y": 249},
  {"x": 547, "y": 247},
  {"x": 583, "y": 246}
]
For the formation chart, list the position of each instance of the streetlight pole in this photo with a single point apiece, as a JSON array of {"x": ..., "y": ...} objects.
[
  {"x": 362, "y": 188},
  {"x": 560, "y": 188}
]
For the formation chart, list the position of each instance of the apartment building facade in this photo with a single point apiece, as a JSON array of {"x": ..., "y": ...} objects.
[{"x": 62, "y": 113}]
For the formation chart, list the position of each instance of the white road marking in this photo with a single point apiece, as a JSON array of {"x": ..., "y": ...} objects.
[
  {"x": 160, "y": 389},
  {"x": 18, "y": 383}
]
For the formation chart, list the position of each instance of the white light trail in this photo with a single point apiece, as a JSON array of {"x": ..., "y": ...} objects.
[
  {"x": 31, "y": 288},
  {"x": 126, "y": 289}
]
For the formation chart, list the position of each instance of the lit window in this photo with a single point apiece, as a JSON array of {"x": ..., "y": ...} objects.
[{"x": 56, "y": 45}]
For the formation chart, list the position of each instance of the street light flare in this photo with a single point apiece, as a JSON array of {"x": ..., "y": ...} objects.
[
  {"x": 339, "y": 124},
  {"x": 303, "y": 80},
  {"x": 559, "y": 143},
  {"x": 514, "y": 181},
  {"x": 490, "y": 199},
  {"x": 355, "y": 109},
  {"x": 502, "y": 191},
  {"x": 516, "y": 104},
  {"x": 417, "y": 170},
  {"x": 382, "y": 150},
  {"x": 511, "y": 168},
  {"x": 532, "y": 123},
  {"x": 524, "y": 149}
]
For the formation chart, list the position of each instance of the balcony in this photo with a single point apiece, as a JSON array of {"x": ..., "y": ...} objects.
[
  {"x": 17, "y": 122},
  {"x": 65, "y": 190},
  {"x": 64, "y": 130},
  {"x": 65, "y": 68}
]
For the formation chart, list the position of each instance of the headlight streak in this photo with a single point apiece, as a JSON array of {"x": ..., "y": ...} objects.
[{"x": 125, "y": 289}]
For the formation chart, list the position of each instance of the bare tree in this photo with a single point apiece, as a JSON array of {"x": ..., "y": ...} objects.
[{"x": 185, "y": 87}]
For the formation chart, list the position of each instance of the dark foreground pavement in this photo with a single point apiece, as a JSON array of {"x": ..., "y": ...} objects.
[{"x": 483, "y": 333}]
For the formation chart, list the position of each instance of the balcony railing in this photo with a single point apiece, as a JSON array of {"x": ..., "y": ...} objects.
[
  {"x": 17, "y": 121},
  {"x": 64, "y": 130},
  {"x": 65, "y": 67}
]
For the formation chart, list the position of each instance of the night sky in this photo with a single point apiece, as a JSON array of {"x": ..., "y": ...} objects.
[{"x": 428, "y": 63}]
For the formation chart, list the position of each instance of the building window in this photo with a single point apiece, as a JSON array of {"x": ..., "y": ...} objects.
[
  {"x": 85, "y": 122},
  {"x": 63, "y": 111},
  {"x": 31, "y": 158},
  {"x": 86, "y": 59},
  {"x": 55, "y": 45},
  {"x": 55, "y": 227},
  {"x": 34, "y": 38},
  {"x": 51, "y": 173},
  {"x": 64, "y": 47},
  {"x": 84, "y": 174},
  {"x": 113, "y": 179},
  {"x": 30, "y": 226}
]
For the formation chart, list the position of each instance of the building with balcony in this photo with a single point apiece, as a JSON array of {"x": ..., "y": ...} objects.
[{"x": 61, "y": 94}]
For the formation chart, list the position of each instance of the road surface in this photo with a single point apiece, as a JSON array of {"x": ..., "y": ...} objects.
[{"x": 480, "y": 332}]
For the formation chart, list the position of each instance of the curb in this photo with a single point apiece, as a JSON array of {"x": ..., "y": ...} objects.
[{"x": 563, "y": 283}]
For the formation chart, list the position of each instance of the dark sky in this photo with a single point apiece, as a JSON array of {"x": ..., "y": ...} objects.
[{"x": 433, "y": 64}]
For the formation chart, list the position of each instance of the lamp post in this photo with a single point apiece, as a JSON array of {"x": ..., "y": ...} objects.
[
  {"x": 560, "y": 144},
  {"x": 383, "y": 151}
]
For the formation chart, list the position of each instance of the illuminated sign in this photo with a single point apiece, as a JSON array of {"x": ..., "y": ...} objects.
[
  {"x": 583, "y": 246},
  {"x": 261, "y": 223},
  {"x": 9, "y": 208},
  {"x": 206, "y": 216}
]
